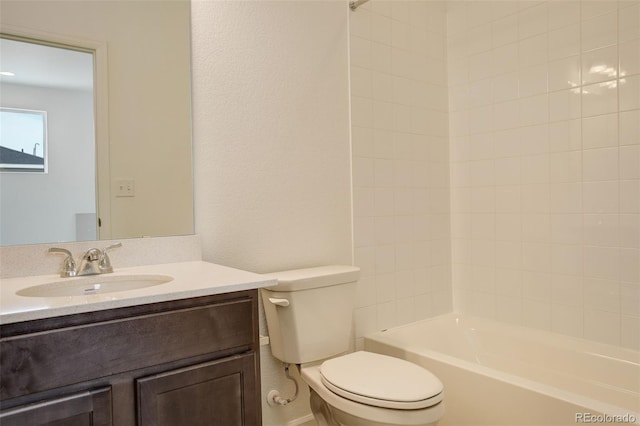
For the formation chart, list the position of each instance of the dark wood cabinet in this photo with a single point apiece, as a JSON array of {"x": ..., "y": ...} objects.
[
  {"x": 81, "y": 409},
  {"x": 209, "y": 394},
  {"x": 185, "y": 362}
]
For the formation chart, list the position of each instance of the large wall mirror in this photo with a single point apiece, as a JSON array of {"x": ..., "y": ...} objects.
[{"x": 114, "y": 160}]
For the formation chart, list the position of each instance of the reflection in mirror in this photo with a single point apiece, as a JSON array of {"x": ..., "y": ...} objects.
[
  {"x": 38, "y": 81},
  {"x": 140, "y": 119},
  {"x": 19, "y": 130}
]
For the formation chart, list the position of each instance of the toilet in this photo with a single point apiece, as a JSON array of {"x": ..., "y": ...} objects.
[{"x": 309, "y": 315}]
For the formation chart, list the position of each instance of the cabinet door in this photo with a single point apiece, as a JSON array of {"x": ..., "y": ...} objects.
[
  {"x": 91, "y": 408},
  {"x": 216, "y": 393}
]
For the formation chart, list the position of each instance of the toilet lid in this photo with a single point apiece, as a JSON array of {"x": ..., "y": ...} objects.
[{"x": 381, "y": 381}]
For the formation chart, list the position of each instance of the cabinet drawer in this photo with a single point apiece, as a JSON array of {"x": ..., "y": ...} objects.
[
  {"x": 91, "y": 408},
  {"x": 40, "y": 361}
]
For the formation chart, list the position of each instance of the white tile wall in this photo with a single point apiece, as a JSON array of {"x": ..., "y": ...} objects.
[
  {"x": 543, "y": 154},
  {"x": 399, "y": 107},
  {"x": 544, "y": 101}
]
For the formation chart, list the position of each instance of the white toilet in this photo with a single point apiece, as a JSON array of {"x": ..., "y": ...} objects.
[{"x": 309, "y": 315}]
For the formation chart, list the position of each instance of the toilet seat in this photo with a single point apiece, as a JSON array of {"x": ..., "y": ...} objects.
[
  {"x": 381, "y": 381},
  {"x": 369, "y": 414}
]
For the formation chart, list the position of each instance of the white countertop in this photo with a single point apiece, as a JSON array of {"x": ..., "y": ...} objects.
[{"x": 190, "y": 279}]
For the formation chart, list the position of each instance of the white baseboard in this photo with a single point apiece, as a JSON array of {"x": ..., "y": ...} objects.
[{"x": 307, "y": 420}]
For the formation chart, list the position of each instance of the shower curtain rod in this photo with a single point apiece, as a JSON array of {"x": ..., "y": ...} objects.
[{"x": 353, "y": 5}]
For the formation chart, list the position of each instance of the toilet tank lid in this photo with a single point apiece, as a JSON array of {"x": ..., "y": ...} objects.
[{"x": 308, "y": 278}]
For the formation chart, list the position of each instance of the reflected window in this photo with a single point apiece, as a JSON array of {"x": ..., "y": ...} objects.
[{"x": 23, "y": 140}]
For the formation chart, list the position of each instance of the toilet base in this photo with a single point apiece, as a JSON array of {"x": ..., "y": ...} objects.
[{"x": 326, "y": 415}]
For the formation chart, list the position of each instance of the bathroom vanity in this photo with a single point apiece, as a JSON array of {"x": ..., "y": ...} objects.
[{"x": 174, "y": 355}]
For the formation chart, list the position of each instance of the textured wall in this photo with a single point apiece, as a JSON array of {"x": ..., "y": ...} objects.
[
  {"x": 271, "y": 143},
  {"x": 271, "y": 133}
]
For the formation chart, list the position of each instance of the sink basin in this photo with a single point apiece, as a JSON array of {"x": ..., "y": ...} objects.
[{"x": 94, "y": 284}]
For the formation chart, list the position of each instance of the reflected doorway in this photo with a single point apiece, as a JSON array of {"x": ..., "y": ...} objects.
[{"x": 57, "y": 200}]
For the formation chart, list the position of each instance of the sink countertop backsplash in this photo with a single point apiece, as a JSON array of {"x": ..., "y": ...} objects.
[
  {"x": 189, "y": 279},
  {"x": 177, "y": 257},
  {"x": 29, "y": 260}
]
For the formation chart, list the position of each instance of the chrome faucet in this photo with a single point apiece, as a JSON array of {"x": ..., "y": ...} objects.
[
  {"x": 90, "y": 262},
  {"x": 93, "y": 261},
  {"x": 68, "y": 265},
  {"x": 105, "y": 262}
]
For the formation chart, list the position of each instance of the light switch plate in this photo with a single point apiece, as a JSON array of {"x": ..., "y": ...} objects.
[{"x": 125, "y": 188}]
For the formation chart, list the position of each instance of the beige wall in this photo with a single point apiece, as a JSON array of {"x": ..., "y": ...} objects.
[{"x": 271, "y": 144}]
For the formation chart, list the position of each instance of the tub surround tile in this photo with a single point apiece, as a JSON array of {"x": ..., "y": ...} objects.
[
  {"x": 543, "y": 112},
  {"x": 564, "y": 42},
  {"x": 566, "y": 202},
  {"x": 629, "y": 58},
  {"x": 599, "y": 31},
  {"x": 629, "y": 230},
  {"x": 629, "y": 88},
  {"x": 600, "y": 65},
  {"x": 401, "y": 161},
  {"x": 600, "y": 131},
  {"x": 630, "y": 332},
  {"x": 629, "y": 162},
  {"x": 629, "y": 22},
  {"x": 567, "y": 320},
  {"x": 564, "y": 73},
  {"x": 629, "y": 196},
  {"x": 602, "y": 326}
]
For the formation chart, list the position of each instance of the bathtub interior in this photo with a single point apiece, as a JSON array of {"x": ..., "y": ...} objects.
[{"x": 602, "y": 377}]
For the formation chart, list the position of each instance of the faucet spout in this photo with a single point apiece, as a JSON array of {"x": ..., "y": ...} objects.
[{"x": 90, "y": 262}]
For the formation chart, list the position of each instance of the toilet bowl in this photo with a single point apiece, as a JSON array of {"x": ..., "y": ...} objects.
[
  {"x": 309, "y": 315},
  {"x": 368, "y": 389}
]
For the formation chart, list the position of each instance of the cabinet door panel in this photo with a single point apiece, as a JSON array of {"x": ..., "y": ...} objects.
[
  {"x": 83, "y": 409},
  {"x": 216, "y": 393}
]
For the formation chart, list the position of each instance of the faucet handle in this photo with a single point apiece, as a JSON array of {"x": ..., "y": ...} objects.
[
  {"x": 69, "y": 265},
  {"x": 105, "y": 262},
  {"x": 111, "y": 247}
]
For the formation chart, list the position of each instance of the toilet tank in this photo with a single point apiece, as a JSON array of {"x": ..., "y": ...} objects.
[{"x": 309, "y": 312}]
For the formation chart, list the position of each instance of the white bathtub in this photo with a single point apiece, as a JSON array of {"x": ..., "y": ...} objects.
[{"x": 499, "y": 374}]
